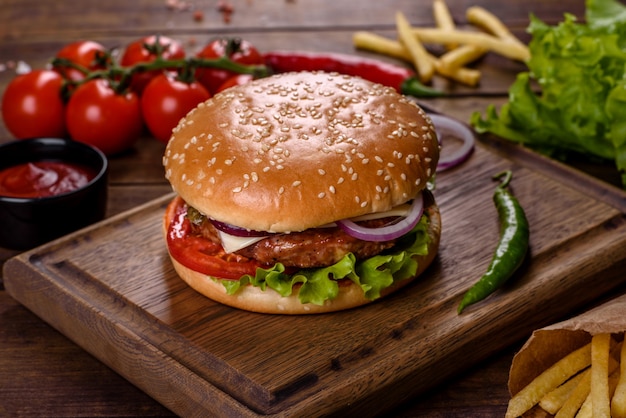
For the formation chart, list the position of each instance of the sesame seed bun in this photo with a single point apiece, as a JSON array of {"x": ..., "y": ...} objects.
[{"x": 299, "y": 150}]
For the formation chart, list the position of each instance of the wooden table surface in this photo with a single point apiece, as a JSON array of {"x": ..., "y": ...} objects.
[{"x": 42, "y": 373}]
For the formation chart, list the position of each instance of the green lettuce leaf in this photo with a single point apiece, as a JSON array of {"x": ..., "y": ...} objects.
[
  {"x": 580, "y": 70},
  {"x": 319, "y": 285}
]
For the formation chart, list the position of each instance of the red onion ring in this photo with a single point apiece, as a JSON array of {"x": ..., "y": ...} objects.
[
  {"x": 389, "y": 232},
  {"x": 237, "y": 230},
  {"x": 445, "y": 124}
]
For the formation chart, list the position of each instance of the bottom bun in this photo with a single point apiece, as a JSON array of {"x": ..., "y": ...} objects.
[{"x": 251, "y": 298}]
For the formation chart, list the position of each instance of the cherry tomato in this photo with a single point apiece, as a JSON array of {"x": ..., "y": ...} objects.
[
  {"x": 32, "y": 105},
  {"x": 237, "y": 80},
  {"x": 166, "y": 100},
  {"x": 240, "y": 51},
  {"x": 89, "y": 54},
  {"x": 98, "y": 116},
  {"x": 201, "y": 254},
  {"x": 145, "y": 50}
]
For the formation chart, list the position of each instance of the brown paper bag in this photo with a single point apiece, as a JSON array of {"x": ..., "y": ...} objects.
[{"x": 547, "y": 345}]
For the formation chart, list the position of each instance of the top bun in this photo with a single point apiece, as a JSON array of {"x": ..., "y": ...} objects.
[{"x": 299, "y": 150}]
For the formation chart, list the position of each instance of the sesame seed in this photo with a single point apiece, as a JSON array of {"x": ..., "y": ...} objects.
[
  {"x": 321, "y": 195},
  {"x": 364, "y": 204},
  {"x": 332, "y": 189},
  {"x": 321, "y": 171},
  {"x": 355, "y": 176},
  {"x": 296, "y": 183}
]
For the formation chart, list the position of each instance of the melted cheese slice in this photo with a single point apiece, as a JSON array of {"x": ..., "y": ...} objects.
[{"x": 232, "y": 243}]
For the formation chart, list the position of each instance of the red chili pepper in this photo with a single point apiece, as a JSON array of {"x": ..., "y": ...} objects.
[{"x": 400, "y": 78}]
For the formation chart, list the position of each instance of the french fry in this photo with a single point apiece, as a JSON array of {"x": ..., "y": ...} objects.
[
  {"x": 512, "y": 50},
  {"x": 600, "y": 349},
  {"x": 423, "y": 64},
  {"x": 547, "y": 381},
  {"x": 460, "y": 56},
  {"x": 576, "y": 398},
  {"x": 618, "y": 403},
  {"x": 554, "y": 400},
  {"x": 372, "y": 42},
  {"x": 443, "y": 19},
  {"x": 489, "y": 22},
  {"x": 585, "y": 409},
  {"x": 467, "y": 76},
  {"x": 375, "y": 43}
]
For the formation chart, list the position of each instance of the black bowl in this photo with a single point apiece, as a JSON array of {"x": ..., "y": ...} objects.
[{"x": 28, "y": 222}]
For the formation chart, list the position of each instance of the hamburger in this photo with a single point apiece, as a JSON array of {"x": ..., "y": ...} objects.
[{"x": 302, "y": 193}]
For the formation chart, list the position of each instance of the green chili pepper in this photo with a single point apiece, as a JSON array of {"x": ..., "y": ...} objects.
[
  {"x": 413, "y": 87},
  {"x": 512, "y": 245}
]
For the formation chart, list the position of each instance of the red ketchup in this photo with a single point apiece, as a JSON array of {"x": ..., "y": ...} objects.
[{"x": 43, "y": 178}]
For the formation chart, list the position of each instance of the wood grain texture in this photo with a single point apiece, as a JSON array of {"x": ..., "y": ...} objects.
[
  {"x": 66, "y": 18},
  {"x": 112, "y": 290},
  {"x": 42, "y": 373}
]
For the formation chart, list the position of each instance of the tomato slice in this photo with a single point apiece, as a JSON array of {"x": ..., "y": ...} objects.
[{"x": 200, "y": 254}]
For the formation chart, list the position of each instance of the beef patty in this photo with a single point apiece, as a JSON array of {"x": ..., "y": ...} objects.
[{"x": 317, "y": 247}]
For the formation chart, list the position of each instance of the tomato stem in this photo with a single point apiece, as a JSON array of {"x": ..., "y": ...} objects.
[{"x": 120, "y": 77}]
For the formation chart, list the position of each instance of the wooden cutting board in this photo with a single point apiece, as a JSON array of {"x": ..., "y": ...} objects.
[{"x": 112, "y": 290}]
